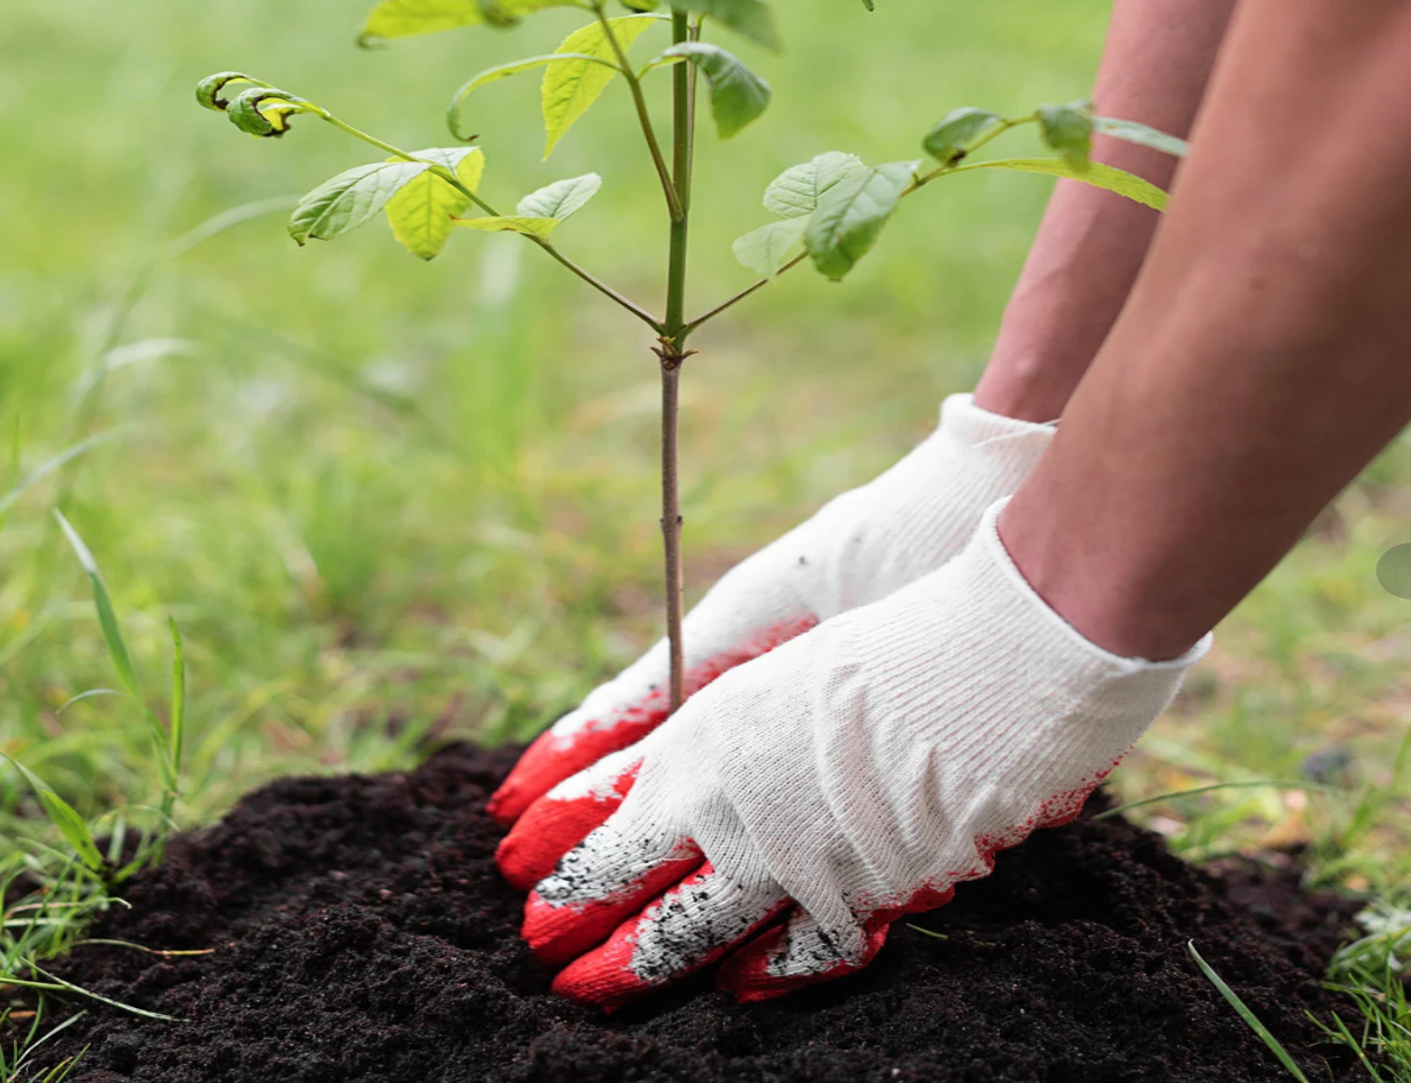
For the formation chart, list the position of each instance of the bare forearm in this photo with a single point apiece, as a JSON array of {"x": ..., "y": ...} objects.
[
  {"x": 1265, "y": 356},
  {"x": 1091, "y": 244}
]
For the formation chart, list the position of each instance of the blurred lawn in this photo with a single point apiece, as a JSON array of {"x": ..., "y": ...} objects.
[{"x": 384, "y": 498}]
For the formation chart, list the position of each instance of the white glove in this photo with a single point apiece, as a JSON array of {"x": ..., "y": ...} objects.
[
  {"x": 858, "y": 549},
  {"x": 855, "y": 774}
]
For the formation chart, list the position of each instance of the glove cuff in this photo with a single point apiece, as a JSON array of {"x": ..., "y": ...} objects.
[{"x": 972, "y": 425}]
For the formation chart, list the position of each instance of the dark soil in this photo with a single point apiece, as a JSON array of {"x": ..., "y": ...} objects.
[{"x": 362, "y": 934}]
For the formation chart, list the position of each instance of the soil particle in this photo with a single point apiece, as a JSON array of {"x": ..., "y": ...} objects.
[{"x": 362, "y": 935}]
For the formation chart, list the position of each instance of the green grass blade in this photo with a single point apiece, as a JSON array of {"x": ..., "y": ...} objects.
[
  {"x": 176, "y": 735},
  {"x": 1342, "y": 1034},
  {"x": 107, "y": 619},
  {"x": 48, "y": 466},
  {"x": 1248, "y": 1016},
  {"x": 34, "y": 1042},
  {"x": 70, "y": 824},
  {"x": 1275, "y": 783},
  {"x": 90, "y": 694},
  {"x": 71, "y": 987}
]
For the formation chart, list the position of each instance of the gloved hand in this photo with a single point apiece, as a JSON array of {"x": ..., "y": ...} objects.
[
  {"x": 796, "y": 808},
  {"x": 858, "y": 549}
]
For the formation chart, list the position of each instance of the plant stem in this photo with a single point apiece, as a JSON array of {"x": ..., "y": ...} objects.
[
  {"x": 454, "y": 181},
  {"x": 673, "y": 352},
  {"x": 673, "y": 196},
  {"x": 671, "y": 523}
]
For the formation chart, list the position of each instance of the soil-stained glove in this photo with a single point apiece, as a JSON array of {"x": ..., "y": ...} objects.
[
  {"x": 857, "y": 773},
  {"x": 858, "y": 549}
]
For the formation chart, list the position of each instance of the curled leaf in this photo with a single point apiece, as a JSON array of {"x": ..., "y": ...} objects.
[
  {"x": 208, "y": 90},
  {"x": 266, "y": 111}
]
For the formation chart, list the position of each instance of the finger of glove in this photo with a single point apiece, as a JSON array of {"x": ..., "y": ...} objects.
[
  {"x": 687, "y": 928},
  {"x": 582, "y": 737},
  {"x": 802, "y": 952},
  {"x": 598, "y": 885},
  {"x": 564, "y": 817},
  {"x": 574, "y": 743},
  {"x": 791, "y": 956}
]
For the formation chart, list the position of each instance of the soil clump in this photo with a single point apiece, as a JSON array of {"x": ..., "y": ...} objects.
[{"x": 363, "y": 936}]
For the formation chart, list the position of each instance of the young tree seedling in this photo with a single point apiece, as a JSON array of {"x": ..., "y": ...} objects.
[{"x": 828, "y": 211}]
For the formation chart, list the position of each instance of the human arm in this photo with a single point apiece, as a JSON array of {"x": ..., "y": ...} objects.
[{"x": 1155, "y": 66}]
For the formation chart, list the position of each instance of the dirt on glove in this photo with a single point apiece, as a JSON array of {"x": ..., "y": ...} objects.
[{"x": 361, "y": 934}]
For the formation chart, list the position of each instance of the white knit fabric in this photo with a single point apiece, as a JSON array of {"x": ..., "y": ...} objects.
[
  {"x": 857, "y": 549},
  {"x": 887, "y": 752}
]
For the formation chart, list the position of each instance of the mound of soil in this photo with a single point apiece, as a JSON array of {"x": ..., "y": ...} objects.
[{"x": 362, "y": 934}]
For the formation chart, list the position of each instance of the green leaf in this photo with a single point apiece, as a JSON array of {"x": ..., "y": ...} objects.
[
  {"x": 850, "y": 217},
  {"x": 1243, "y": 1011},
  {"x": 176, "y": 734},
  {"x": 107, "y": 619},
  {"x": 62, "y": 815},
  {"x": 571, "y": 88},
  {"x": 949, "y": 139},
  {"x": 532, "y": 227},
  {"x": 796, "y": 191},
  {"x": 1068, "y": 129},
  {"x": 1133, "y": 132},
  {"x": 420, "y": 212},
  {"x": 350, "y": 199},
  {"x": 751, "y": 19},
  {"x": 768, "y": 248},
  {"x": 504, "y": 71},
  {"x": 560, "y": 199},
  {"x": 404, "y": 18},
  {"x": 737, "y": 95},
  {"x": 1094, "y": 173}
]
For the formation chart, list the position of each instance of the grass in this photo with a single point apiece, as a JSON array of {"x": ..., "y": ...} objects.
[{"x": 386, "y": 502}]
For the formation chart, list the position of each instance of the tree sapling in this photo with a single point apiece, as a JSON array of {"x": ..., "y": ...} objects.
[{"x": 829, "y": 211}]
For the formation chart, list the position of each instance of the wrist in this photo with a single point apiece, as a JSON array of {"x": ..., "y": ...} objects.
[{"x": 1105, "y": 598}]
